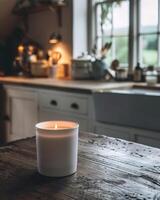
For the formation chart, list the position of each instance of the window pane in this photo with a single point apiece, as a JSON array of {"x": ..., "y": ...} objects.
[
  {"x": 104, "y": 19},
  {"x": 149, "y": 50},
  {"x": 99, "y": 43},
  {"x": 113, "y": 26},
  {"x": 107, "y": 18},
  {"x": 148, "y": 15},
  {"x": 121, "y": 18},
  {"x": 121, "y": 49},
  {"x": 98, "y": 18}
]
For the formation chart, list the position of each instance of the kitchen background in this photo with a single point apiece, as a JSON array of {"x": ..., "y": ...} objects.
[
  {"x": 46, "y": 38},
  {"x": 40, "y": 27},
  {"x": 111, "y": 91},
  {"x": 94, "y": 26}
]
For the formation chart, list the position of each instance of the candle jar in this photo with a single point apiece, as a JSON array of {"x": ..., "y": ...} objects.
[{"x": 57, "y": 148}]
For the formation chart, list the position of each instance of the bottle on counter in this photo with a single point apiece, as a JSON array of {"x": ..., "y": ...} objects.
[{"x": 138, "y": 72}]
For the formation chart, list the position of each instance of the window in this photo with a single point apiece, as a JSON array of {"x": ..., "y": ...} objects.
[
  {"x": 113, "y": 26},
  {"x": 114, "y": 20},
  {"x": 148, "y": 34}
]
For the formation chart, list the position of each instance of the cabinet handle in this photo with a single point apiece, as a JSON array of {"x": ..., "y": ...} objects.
[
  {"x": 53, "y": 103},
  {"x": 75, "y": 106}
]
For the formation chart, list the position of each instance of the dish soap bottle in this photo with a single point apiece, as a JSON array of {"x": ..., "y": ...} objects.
[{"x": 138, "y": 73}]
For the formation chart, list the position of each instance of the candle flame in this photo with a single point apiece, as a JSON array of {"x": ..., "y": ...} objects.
[
  {"x": 56, "y": 126},
  {"x": 21, "y": 48}
]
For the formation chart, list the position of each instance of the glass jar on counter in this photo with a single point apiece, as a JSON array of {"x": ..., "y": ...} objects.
[{"x": 151, "y": 76}]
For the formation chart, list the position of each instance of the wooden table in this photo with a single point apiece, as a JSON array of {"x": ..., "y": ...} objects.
[{"x": 108, "y": 168}]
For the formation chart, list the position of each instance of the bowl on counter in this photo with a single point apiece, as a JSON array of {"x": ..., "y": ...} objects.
[{"x": 39, "y": 69}]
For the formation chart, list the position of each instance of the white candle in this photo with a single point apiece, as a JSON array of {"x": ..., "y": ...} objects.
[{"x": 57, "y": 148}]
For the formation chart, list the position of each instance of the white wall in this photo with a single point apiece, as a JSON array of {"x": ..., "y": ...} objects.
[
  {"x": 42, "y": 24},
  {"x": 80, "y": 23}
]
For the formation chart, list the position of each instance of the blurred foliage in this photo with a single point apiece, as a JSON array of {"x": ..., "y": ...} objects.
[
  {"x": 152, "y": 42},
  {"x": 149, "y": 49},
  {"x": 121, "y": 44},
  {"x": 106, "y": 9},
  {"x": 149, "y": 57}
]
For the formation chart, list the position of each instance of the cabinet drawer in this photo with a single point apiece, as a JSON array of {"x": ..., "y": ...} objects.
[
  {"x": 50, "y": 100},
  {"x": 48, "y": 114},
  {"x": 76, "y": 105}
]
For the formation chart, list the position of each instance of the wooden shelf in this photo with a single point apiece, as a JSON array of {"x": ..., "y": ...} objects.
[
  {"x": 29, "y": 10},
  {"x": 36, "y": 8},
  {"x": 40, "y": 7}
]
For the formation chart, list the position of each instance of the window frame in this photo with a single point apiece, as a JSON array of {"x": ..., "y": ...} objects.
[
  {"x": 134, "y": 32},
  {"x": 140, "y": 34},
  {"x": 111, "y": 35}
]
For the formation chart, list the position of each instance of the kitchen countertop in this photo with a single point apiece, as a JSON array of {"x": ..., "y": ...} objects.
[
  {"x": 108, "y": 168},
  {"x": 80, "y": 85},
  {"x": 86, "y": 86}
]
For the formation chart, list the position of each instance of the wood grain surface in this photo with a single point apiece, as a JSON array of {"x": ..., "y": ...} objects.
[{"x": 108, "y": 168}]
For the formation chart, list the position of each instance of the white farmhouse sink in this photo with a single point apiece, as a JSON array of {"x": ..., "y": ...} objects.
[
  {"x": 129, "y": 107},
  {"x": 136, "y": 91}
]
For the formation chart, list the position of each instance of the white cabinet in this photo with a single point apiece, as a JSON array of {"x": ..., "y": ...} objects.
[
  {"x": 76, "y": 104},
  {"x": 21, "y": 109},
  {"x": 49, "y": 99},
  {"x": 25, "y": 106},
  {"x": 59, "y": 105},
  {"x": 112, "y": 131},
  {"x": 50, "y": 114},
  {"x": 147, "y": 137},
  {"x": 2, "y": 115}
]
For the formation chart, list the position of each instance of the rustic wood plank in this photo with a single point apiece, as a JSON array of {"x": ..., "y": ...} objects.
[{"x": 108, "y": 168}]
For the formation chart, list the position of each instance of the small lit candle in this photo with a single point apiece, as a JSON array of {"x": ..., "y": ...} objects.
[
  {"x": 30, "y": 50},
  {"x": 20, "y": 49},
  {"x": 57, "y": 148}
]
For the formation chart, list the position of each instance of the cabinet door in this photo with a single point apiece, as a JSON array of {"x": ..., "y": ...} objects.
[
  {"x": 3, "y": 117},
  {"x": 22, "y": 112},
  {"x": 112, "y": 131},
  {"x": 46, "y": 114}
]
